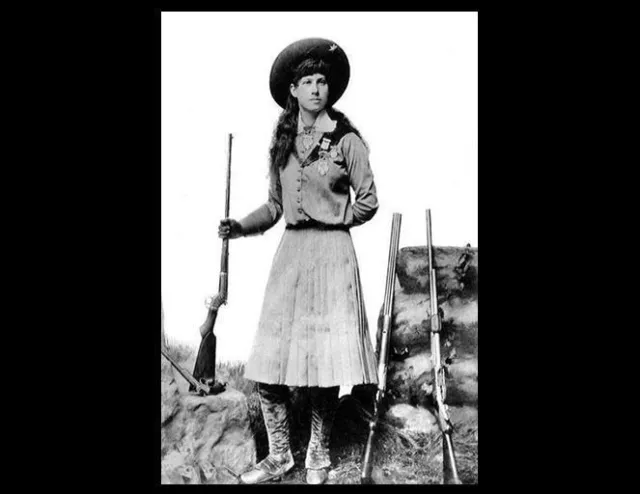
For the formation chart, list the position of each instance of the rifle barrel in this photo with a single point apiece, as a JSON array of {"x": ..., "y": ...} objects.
[
  {"x": 206, "y": 358},
  {"x": 450, "y": 473},
  {"x": 433, "y": 294},
  {"x": 391, "y": 263},
  {"x": 224, "y": 257},
  {"x": 388, "y": 303},
  {"x": 228, "y": 193},
  {"x": 383, "y": 350},
  {"x": 429, "y": 244}
]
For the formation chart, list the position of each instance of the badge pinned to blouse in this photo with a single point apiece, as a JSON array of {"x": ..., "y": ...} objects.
[
  {"x": 323, "y": 167},
  {"x": 325, "y": 143},
  {"x": 307, "y": 140}
]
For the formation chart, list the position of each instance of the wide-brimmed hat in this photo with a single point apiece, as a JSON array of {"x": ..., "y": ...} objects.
[{"x": 286, "y": 62}]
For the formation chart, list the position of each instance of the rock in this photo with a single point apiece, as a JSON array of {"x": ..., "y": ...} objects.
[
  {"x": 411, "y": 324},
  {"x": 453, "y": 274},
  {"x": 389, "y": 474},
  {"x": 409, "y": 379},
  {"x": 170, "y": 394},
  {"x": 170, "y": 468},
  {"x": 410, "y": 372},
  {"x": 463, "y": 415},
  {"x": 412, "y": 419},
  {"x": 204, "y": 439}
]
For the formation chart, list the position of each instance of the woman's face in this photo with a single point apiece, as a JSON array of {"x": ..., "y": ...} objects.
[{"x": 312, "y": 92}]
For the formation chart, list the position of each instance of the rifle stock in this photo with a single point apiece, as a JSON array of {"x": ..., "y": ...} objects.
[
  {"x": 450, "y": 472},
  {"x": 205, "y": 367},
  {"x": 383, "y": 353}
]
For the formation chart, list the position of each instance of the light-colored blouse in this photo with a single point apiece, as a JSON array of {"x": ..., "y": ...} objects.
[{"x": 315, "y": 183}]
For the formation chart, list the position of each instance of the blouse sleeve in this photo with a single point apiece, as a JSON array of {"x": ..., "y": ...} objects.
[
  {"x": 361, "y": 178},
  {"x": 267, "y": 215}
]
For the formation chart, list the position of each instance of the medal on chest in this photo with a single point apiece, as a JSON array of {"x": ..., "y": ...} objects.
[
  {"x": 323, "y": 167},
  {"x": 323, "y": 163}
]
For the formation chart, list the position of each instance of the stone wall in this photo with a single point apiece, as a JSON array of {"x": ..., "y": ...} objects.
[{"x": 410, "y": 372}]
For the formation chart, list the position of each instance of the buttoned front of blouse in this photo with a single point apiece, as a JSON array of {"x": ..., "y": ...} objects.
[{"x": 315, "y": 185}]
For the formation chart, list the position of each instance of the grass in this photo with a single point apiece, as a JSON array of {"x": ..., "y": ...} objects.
[
  {"x": 399, "y": 458},
  {"x": 179, "y": 352}
]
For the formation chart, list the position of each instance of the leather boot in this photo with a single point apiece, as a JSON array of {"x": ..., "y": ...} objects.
[
  {"x": 324, "y": 402},
  {"x": 273, "y": 467},
  {"x": 273, "y": 402}
]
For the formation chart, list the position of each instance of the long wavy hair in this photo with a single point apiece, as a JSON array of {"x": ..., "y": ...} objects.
[{"x": 286, "y": 129}]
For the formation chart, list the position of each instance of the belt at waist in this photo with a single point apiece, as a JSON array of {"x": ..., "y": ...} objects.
[{"x": 316, "y": 225}]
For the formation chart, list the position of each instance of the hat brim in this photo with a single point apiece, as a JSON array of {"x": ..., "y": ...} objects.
[{"x": 283, "y": 67}]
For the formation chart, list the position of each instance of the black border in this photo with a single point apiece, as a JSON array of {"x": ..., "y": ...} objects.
[
  {"x": 156, "y": 467},
  {"x": 123, "y": 380}
]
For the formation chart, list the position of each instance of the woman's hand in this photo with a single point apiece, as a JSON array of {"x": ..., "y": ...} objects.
[{"x": 229, "y": 229}]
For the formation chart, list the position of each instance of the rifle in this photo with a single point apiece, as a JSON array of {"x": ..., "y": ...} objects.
[
  {"x": 383, "y": 354},
  {"x": 205, "y": 367},
  {"x": 200, "y": 388},
  {"x": 450, "y": 472}
]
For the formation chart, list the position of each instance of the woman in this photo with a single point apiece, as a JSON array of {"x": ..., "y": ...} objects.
[{"x": 313, "y": 329}]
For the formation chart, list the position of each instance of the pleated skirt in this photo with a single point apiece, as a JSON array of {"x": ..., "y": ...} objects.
[{"x": 313, "y": 328}]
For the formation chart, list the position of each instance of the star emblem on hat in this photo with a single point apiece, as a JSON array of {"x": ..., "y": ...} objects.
[{"x": 333, "y": 47}]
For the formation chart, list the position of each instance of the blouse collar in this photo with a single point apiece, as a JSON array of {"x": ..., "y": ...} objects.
[{"x": 323, "y": 123}]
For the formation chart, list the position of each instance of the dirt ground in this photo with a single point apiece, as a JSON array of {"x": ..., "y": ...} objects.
[
  {"x": 398, "y": 462},
  {"x": 398, "y": 458}
]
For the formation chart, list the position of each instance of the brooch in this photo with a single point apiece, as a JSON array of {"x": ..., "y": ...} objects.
[
  {"x": 307, "y": 140},
  {"x": 325, "y": 143},
  {"x": 323, "y": 167}
]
